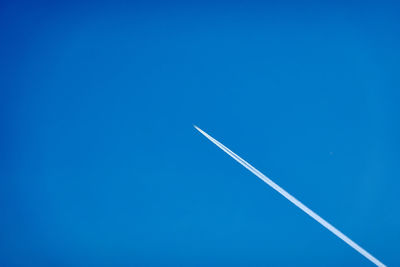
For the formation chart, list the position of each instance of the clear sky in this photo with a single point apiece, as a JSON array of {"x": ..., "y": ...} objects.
[{"x": 101, "y": 166}]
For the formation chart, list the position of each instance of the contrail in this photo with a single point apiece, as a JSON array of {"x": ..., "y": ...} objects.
[{"x": 292, "y": 199}]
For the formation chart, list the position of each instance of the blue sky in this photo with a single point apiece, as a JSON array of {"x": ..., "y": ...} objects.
[{"x": 101, "y": 165}]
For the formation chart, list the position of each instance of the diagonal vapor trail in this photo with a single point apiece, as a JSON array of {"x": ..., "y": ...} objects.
[{"x": 292, "y": 199}]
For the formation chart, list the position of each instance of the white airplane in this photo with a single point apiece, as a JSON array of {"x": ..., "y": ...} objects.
[{"x": 292, "y": 199}]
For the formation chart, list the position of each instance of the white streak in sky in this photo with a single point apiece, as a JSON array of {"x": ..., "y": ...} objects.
[{"x": 294, "y": 200}]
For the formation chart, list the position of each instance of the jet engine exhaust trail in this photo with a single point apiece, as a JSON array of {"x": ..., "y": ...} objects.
[{"x": 292, "y": 199}]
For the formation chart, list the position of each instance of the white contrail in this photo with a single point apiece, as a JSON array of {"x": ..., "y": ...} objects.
[{"x": 294, "y": 200}]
